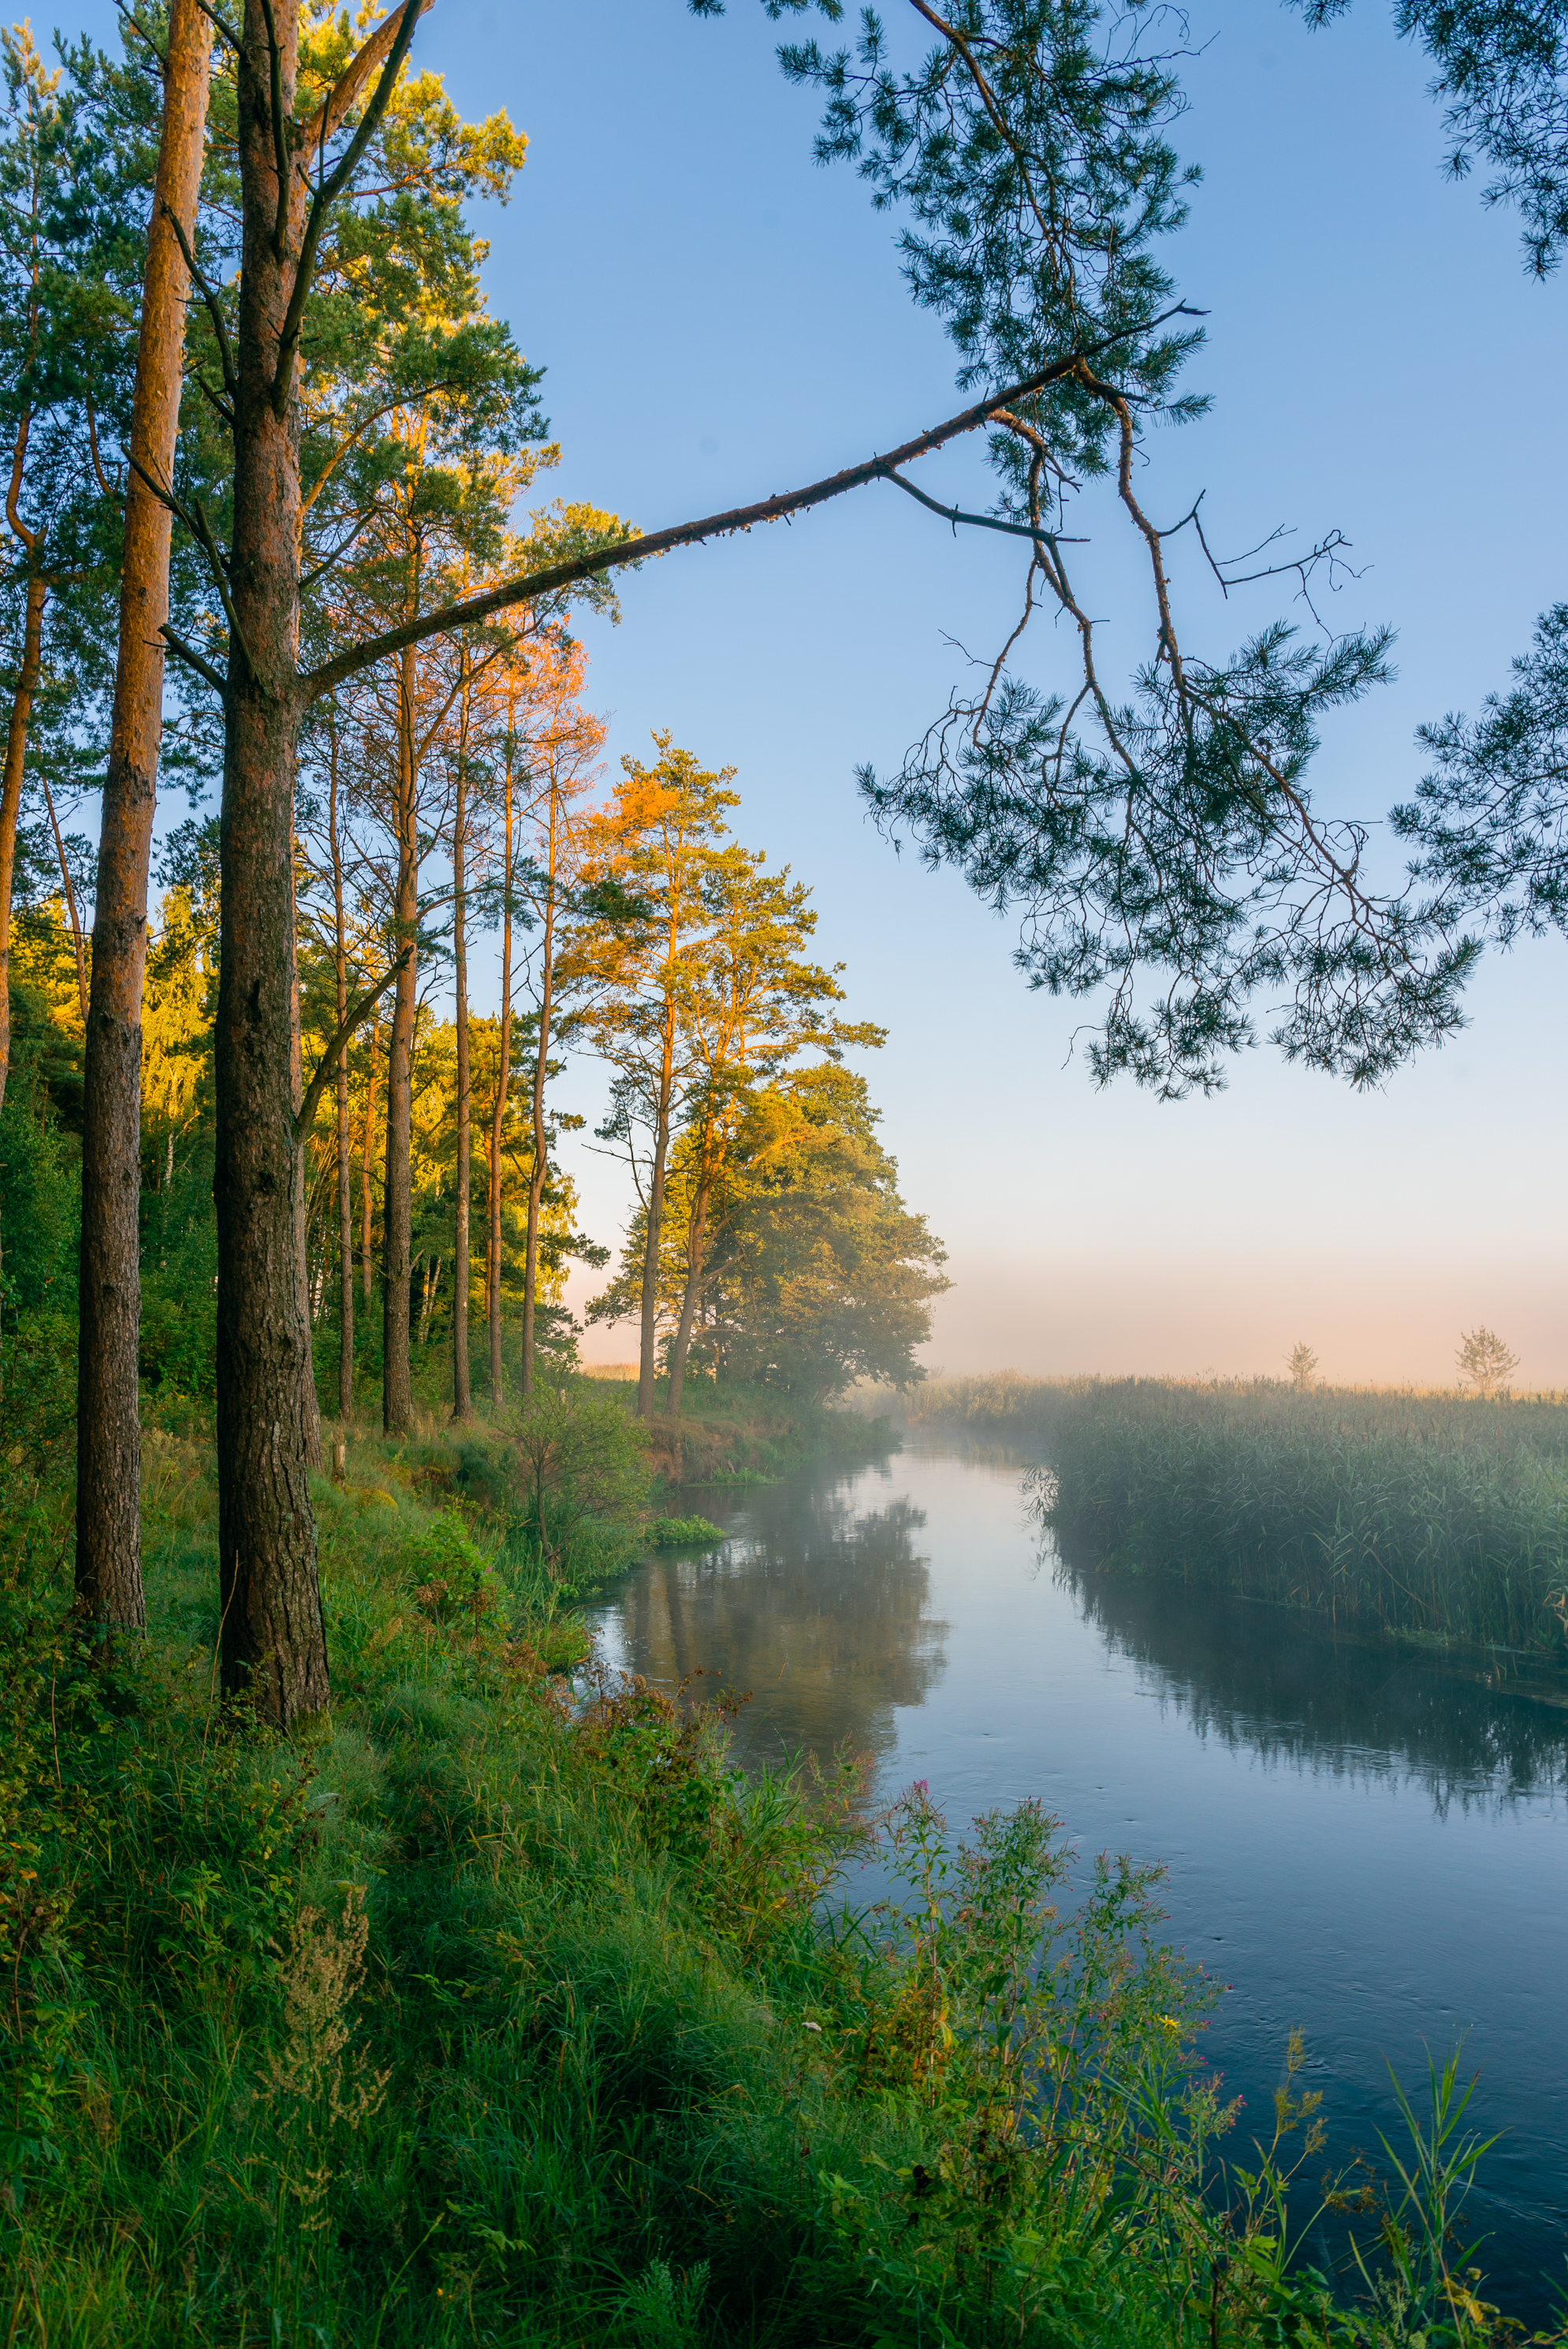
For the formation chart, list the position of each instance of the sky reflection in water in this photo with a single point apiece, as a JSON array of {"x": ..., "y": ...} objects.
[{"x": 1367, "y": 1846}]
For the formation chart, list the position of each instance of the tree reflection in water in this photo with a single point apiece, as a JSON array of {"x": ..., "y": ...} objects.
[
  {"x": 819, "y": 1610},
  {"x": 1286, "y": 1688}
]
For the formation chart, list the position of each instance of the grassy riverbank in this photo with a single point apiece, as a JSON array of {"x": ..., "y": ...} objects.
[
  {"x": 505, "y": 2014},
  {"x": 1423, "y": 1513},
  {"x": 740, "y": 1434}
]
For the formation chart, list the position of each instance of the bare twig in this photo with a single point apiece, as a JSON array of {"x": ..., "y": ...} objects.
[
  {"x": 955, "y": 515},
  {"x": 220, "y": 327},
  {"x": 193, "y": 658}
]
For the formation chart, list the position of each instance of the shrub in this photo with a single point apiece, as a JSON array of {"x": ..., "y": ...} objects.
[
  {"x": 683, "y": 1533},
  {"x": 581, "y": 1474}
]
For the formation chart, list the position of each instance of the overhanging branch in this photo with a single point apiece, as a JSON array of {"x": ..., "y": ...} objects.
[{"x": 621, "y": 554}]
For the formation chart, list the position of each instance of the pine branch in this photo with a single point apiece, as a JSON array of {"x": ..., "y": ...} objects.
[
  {"x": 327, "y": 1066},
  {"x": 617, "y": 555}
]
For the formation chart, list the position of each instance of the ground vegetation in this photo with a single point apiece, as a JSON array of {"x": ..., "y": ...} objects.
[{"x": 506, "y": 2009}]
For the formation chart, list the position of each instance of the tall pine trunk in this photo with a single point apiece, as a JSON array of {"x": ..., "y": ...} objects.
[
  {"x": 345, "y": 1167},
  {"x": 313, "y": 1453},
  {"x": 11, "y": 791},
  {"x": 648, "y": 1360},
  {"x": 462, "y": 1400},
  {"x": 696, "y": 1252},
  {"x": 109, "y": 1429},
  {"x": 503, "y": 1079},
  {"x": 274, "y": 1638},
  {"x": 396, "y": 1205},
  {"x": 367, "y": 1202},
  {"x": 541, "y": 1073}
]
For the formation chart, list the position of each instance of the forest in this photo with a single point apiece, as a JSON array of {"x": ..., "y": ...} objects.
[
  {"x": 376, "y": 1963},
  {"x": 441, "y": 824}
]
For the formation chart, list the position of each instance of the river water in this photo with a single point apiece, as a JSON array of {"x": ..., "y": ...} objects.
[{"x": 1369, "y": 1847}]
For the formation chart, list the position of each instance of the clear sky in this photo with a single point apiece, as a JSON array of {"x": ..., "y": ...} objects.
[{"x": 719, "y": 318}]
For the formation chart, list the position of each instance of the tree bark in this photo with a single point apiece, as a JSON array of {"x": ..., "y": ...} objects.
[
  {"x": 68, "y": 889},
  {"x": 367, "y": 1203},
  {"x": 109, "y": 1429},
  {"x": 504, "y": 1078},
  {"x": 314, "y": 1456},
  {"x": 397, "y": 1206},
  {"x": 274, "y": 1635},
  {"x": 462, "y": 1400},
  {"x": 541, "y": 1071},
  {"x": 648, "y": 1360},
  {"x": 345, "y": 1170},
  {"x": 696, "y": 1248},
  {"x": 11, "y": 793}
]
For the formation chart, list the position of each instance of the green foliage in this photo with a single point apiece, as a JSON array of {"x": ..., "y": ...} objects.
[
  {"x": 179, "y": 1337},
  {"x": 819, "y": 1273},
  {"x": 40, "y": 1186},
  {"x": 1154, "y": 834},
  {"x": 581, "y": 1473},
  {"x": 1501, "y": 67},
  {"x": 682, "y": 1533},
  {"x": 1490, "y": 819}
]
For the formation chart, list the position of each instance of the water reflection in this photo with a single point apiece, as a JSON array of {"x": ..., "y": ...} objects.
[
  {"x": 1260, "y": 1677},
  {"x": 1364, "y": 1844},
  {"x": 818, "y": 1607}
]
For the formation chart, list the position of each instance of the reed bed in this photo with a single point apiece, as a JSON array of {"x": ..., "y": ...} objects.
[{"x": 1407, "y": 1509}]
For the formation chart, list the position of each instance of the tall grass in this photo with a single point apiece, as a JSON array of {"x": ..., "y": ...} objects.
[
  {"x": 1410, "y": 1510},
  {"x": 509, "y": 2012}
]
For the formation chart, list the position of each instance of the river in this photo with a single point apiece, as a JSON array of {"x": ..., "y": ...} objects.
[{"x": 1358, "y": 1843}]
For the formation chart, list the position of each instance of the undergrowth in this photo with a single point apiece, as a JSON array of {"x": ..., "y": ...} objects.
[{"x": 508, "y": 2011}]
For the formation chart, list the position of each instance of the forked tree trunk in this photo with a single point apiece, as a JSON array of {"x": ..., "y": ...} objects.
[
  {"x": 11, "y": 793},
  {"x": 344, "y": 1172},
  {"x": 462, "y": 1400},
  {"x": 108, "y": 1431},
  {"x": 397, "y": 1203},
  {"x": 274, "y": 1636},
  {"x": 503, "y": 1079}
]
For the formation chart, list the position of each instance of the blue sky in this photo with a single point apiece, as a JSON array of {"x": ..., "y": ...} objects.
[{"x": 719, "y": 318}]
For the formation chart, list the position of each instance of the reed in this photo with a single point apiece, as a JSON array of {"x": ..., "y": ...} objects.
[{"x": 1412, "y": 1510}]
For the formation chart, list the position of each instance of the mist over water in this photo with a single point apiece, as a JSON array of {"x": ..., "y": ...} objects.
[{"x": 1359, "y": 1842}]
